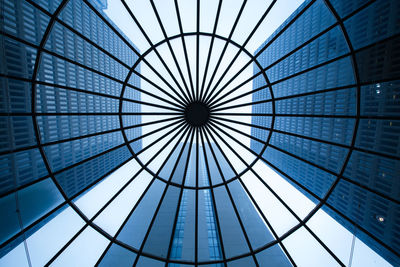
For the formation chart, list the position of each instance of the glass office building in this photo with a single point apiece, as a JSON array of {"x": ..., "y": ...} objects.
[
  {"x": 73, "y": 76},
  {"x": 335, "y": 136},
  {"x": 185, "y": 145}
]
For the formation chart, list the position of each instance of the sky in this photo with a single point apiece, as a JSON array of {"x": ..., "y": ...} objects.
[
  {"x": 301, "y": 245},
  {"x": 304, "y": 249}
]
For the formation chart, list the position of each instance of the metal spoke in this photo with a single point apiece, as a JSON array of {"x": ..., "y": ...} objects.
[
  {"x": 192, "y": 96},
  {"x": 241, "y": 49},
  {"x": 210, "y": 49},
  {"x": 206, "y": 93},
  {"x": 184, "y": 98},
  {"x": 88, "y": 135},
  {"x": 276, "y": 195},
  {"x": 90, "y": 222},
  {"x": 159, "y": 205},
  {"x": 187, "y": 132},
  {"x": 208, "y": 132}
]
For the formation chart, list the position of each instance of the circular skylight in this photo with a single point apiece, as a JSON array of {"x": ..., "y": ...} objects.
[{"x": 192, "y": 136}]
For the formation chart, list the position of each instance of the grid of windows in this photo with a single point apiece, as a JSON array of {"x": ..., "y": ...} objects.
[
  {"x": 142, "y": 158},
  {"x": 313, "y": 150}
]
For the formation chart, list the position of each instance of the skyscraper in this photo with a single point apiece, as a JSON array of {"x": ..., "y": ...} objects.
[
  {"x": 73, "y": 74},
  {"x": 183, "y": 167},
  {"x": 335, "y": 135}
]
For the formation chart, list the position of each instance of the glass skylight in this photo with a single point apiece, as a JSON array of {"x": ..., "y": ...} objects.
[{"x": 186, "y": 133}]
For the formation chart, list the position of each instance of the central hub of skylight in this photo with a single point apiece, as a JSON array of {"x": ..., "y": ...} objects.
[{"x": 197, "y": 114}]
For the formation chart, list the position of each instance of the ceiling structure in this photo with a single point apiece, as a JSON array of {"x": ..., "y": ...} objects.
[{"x": 187, "y": 107}]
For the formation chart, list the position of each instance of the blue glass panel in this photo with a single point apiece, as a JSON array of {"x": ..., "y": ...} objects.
[
  {"x": 15, "y": 95},
  {"x": 72, "y": 75},
  {"x": 78, "y": 178},
  {"x": 255, "y": 226},
  {"x": 314, "y": 179},
  {"x": 365, "y": 208},
  {"x": 379, "y": 135},
  {"x": 118, "y": 256},
  {"x": 328, "y": 46},
  {"x": 137, "y": 225},
  {"x": 145, "y": 262},
  {"x": 381, "y": 99},
  {"x": 38, "y": 199},
  {"x": 336, "y": 74},
  {"x": 247, "y": 261},
  {"x": 9, "y": 220},
  {"x": 329, "y": 129},
  {"x": 17, "y": 20},
  {"x": 232, "y": 235},
  {"x": 54, "y": 128},
  {"x": 379, "y": 173},
  {"x": 159, "y": 237},
  {"x": 327, "y": 156},
  {"x": 305, "y": 27},
  {"x": 273, "y": 256},
  {"x": 374, "y": 23},
  {"x": 20, "y": 168},
  {"x": 183, "y": 243},
  {"x": 341, "y": 102}
]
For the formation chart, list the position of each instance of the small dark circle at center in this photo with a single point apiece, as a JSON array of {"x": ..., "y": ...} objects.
[{"x": 197, "y": 113}]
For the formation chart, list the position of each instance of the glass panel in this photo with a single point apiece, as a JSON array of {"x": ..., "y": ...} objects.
[
  {"x": 312, "y": 178},
  {"x": 363, "y": 256},
  {"x": 381, "y": 98},
  {"x": 81, "y": 149},
  {"x": 362, "y": 31},
  {"x": 89, "y": 243},
  {"x": 369, "y": 211},
  {"x": 312, "y": 254},
  {"x": 112, "y": 217},
  {"x": 256, "y": 228},
  {"x": 16, "y": 257},
  {"x": 160, "y": 234},
  {"x": 212, "y": 166},
  {"x": 335, "y": 236},
  {"x": 137, "y": 224},
  {"x": 368, "y": 59},
  {"x": 79, "y": 178},
  {"x": 38, "y": 199},
  {"x": 379, "y": 135},
  {"x": 274, "y": 256},
  {"x": 278, "y": 216},
  {"x": 118, "y": 256},
  {"x": 20, "y": 168},
  {"x": 232, "y": 235},
  {"x": 18, "y": 21},
  {"x": 333, "y": 75},
  {"x": 209, "y": 235},
  {"x": 9, "y": 223},
  {"x": 95, "y": 199},
  {"x": 377, "y": 173},
  {"x": 183, "y": 243},
  {"x": 15, "y": 95},
  {"x": 293, "y": 197},
  {"x": 326, "y": 47},
  {"x": 144, "y": 262},
  {"x": 38, "y": 244},
  {"x": 329, "y": 129},
  {"x": 247, "y": 261},
  {"x": 340, "y": 102},
  {"x": 74, "y": 126},
  {"x": 308, "y": 24}
]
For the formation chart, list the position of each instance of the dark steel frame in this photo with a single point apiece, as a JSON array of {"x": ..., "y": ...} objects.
[{"x": 214, "y": 131}]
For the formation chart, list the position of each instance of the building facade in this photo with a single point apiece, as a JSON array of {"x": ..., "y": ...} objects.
[
  {"x": 74, "y": 76},
  {"x": 206, "y": 216},
  {"x": 336, "y": 113}
]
